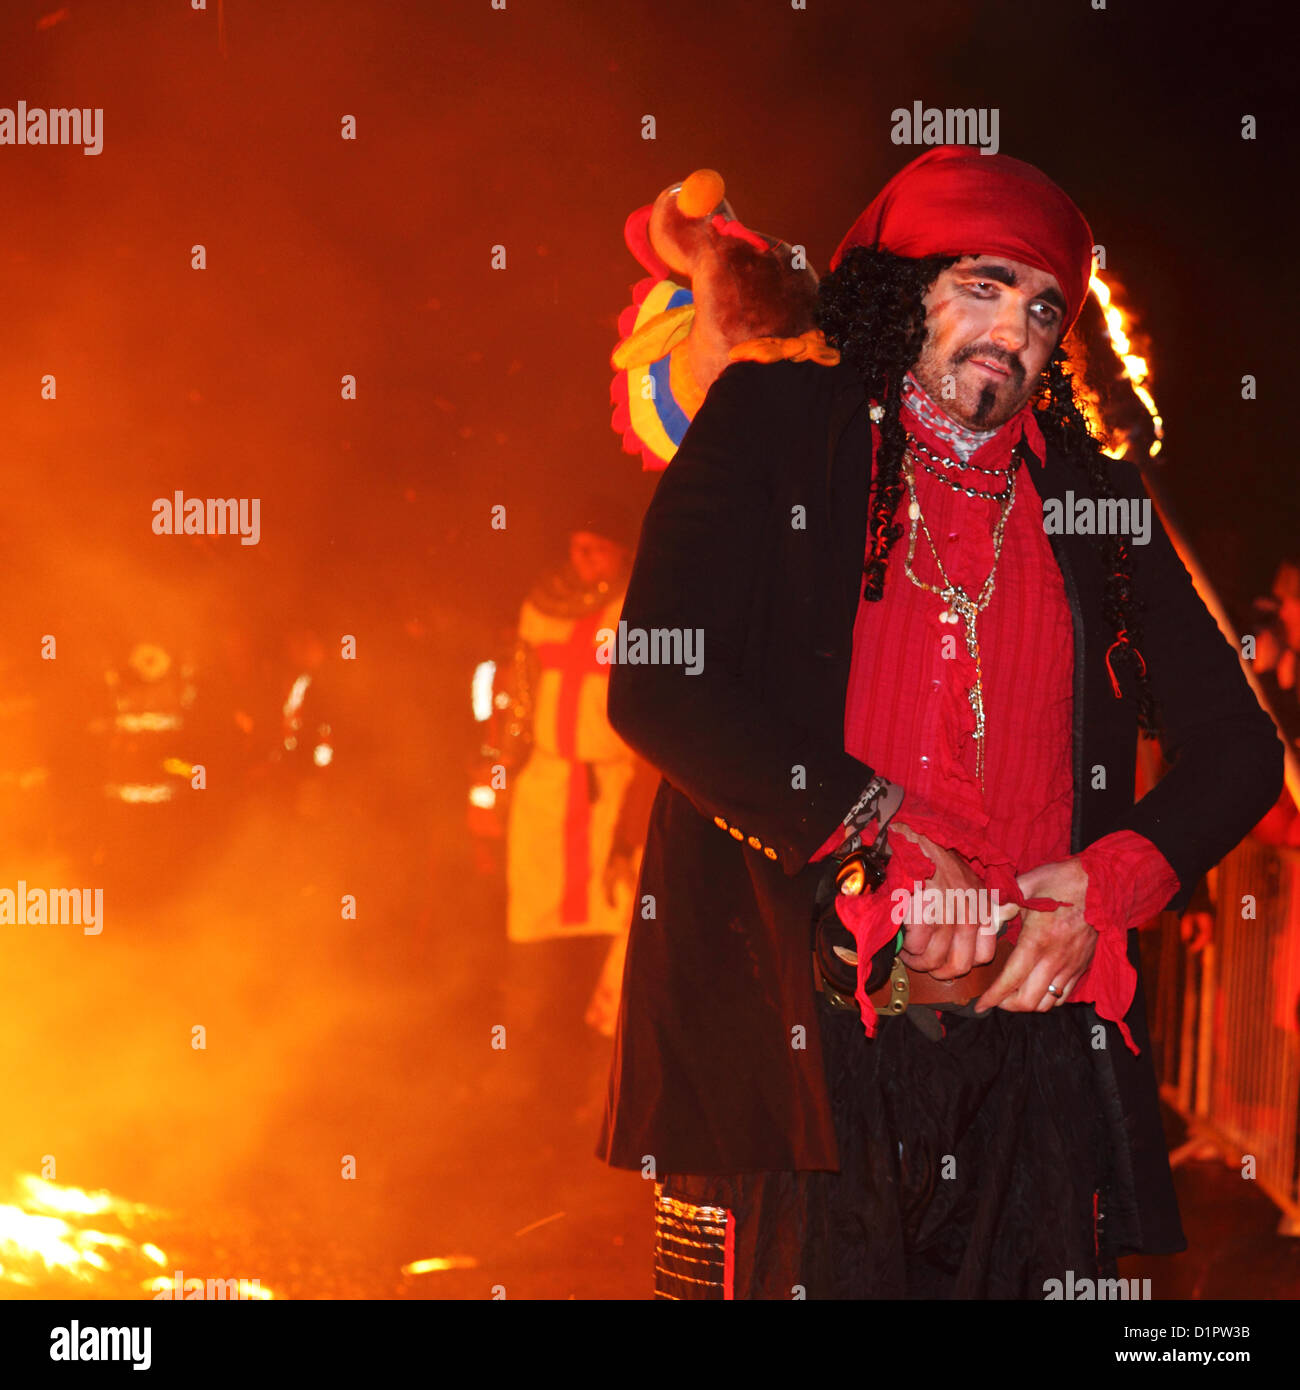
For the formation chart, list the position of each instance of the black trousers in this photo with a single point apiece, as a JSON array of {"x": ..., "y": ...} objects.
[{"x": 972, "y": 1167}]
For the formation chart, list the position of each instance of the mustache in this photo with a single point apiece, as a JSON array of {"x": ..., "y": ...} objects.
[{"x": 996, "y": 355}]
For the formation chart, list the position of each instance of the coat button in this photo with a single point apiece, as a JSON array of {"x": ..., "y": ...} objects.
[
  {"x": 754, "y": 842},
  {"x": 719, "y": 822},
  {"x": 770, "y": 852},
  {"x": 737, "y": 834}
]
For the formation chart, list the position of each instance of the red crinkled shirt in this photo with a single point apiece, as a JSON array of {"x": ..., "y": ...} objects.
[{"x": 907, "y": 715}]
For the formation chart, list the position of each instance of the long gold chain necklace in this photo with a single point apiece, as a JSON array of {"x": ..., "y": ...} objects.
[{"x": 959, "y": 603}]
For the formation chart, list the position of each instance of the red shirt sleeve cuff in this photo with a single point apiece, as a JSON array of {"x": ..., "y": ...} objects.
[{"x": 1129, "y": 881}]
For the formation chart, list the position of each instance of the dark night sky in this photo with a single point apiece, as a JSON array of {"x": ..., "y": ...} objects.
[{"x": 523, "y": 127}]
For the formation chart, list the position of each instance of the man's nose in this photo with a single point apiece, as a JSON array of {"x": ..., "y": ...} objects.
[{"x": 1011, "y": 326}]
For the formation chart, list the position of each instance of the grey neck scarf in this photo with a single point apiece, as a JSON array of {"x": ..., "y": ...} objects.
[{"x": 962, "y": 441}]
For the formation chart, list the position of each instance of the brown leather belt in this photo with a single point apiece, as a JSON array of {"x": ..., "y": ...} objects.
[{"x": 906, "y": 987}]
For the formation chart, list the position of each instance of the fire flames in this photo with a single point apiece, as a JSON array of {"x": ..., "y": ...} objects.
[
  {"x": 49, "y": 1230},
  {"x": 1134, "y": 365},
  {"x": 54, "y": 1240}
]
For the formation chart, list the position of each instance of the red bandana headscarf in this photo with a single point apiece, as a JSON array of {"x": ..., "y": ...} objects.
[{"x": 954, "y": 201}]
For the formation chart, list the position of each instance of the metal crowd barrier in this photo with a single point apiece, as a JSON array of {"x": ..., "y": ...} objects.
[{"x": 1226, "y": 1021}]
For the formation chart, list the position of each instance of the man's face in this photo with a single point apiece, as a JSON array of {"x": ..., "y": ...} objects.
[
  {"x": 991, "y": 324},
  {"x": 596, "y": 559}
]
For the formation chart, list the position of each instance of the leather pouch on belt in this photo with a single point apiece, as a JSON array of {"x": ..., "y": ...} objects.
[{"x": 891, "y": 986}]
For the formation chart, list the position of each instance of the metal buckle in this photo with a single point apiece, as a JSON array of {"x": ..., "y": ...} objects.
[{"x": 899, "y": 989}]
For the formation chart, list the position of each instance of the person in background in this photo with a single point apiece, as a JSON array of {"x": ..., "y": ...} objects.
[{"x": 579, "y": 803}]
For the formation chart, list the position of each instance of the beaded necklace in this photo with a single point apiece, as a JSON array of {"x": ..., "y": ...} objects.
[{"x": 958, "y": 603}]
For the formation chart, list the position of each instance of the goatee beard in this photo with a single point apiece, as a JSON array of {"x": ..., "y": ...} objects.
[{"x": 984, "y": 407}]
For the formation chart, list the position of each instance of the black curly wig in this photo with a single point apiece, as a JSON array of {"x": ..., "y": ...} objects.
[{"x": 871, "y": 308}]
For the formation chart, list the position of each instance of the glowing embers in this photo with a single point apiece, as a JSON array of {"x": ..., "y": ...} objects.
[
  {"x": 293, "y": 721},
  {"x": 296, "y": 693},
  {"x": 480, "y": 691},
  {"x": 139, "y": 793},
  {"x": 146, "y": 722},
  {"x": 51, "y": 1228},
  {"x": 437, "y": 1263}
]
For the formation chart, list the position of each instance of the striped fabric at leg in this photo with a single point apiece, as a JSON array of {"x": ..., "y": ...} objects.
[{"x": 694, "y": 1249}]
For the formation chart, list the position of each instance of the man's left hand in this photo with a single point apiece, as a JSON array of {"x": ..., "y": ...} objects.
[{"x": 1054, "y": 948}]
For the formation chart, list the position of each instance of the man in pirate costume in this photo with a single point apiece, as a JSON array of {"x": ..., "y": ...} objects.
[{"x": 911, "y": 682}]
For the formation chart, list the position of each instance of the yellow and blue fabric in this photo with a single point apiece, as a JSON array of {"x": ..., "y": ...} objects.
[{"x": 656, "y": 348}]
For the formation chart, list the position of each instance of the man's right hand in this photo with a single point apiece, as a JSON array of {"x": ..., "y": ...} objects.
[{"x": 949, "y": 949}]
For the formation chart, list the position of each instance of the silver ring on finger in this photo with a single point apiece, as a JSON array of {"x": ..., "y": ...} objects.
[{"x": 1052, "y": 989}]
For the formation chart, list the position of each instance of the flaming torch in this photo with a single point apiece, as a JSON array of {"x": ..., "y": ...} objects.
[{"x": 1124, "y": 436}]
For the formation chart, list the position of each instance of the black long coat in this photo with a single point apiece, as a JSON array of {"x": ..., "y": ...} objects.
[{"x": 718, "y": 1065}]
